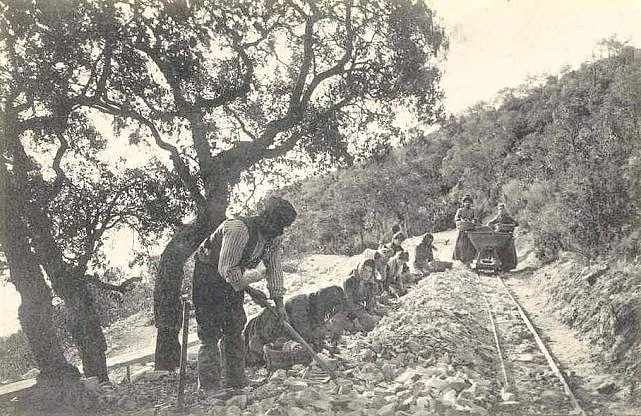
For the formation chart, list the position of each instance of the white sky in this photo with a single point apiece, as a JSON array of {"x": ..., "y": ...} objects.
[
  {"x": 493, "y": 44},
  {"x": 499, "y": 43}
]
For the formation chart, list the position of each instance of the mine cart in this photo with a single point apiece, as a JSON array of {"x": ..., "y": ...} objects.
[{"x": 488, "y": 245}]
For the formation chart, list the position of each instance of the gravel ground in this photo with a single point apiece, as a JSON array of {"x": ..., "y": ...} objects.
[{"x": 431, "y": 353}]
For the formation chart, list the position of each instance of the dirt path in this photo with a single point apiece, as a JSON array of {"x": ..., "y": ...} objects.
[{"x": 594, "y": 383}]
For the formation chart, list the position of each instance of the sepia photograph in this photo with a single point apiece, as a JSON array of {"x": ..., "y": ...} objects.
[{"x": 320, "y": 207}]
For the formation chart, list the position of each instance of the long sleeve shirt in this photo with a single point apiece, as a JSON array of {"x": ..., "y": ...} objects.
[
  {"x": 235, "y": 236},
  {"x": 465, "y": 214},
  {"x": 503, "y": 219}
]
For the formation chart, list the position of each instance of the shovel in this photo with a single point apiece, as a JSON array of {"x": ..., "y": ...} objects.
[{"x": 321, "y": 363}]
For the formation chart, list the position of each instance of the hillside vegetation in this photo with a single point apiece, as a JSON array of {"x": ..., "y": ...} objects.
[{"x": 564, "y": 155}]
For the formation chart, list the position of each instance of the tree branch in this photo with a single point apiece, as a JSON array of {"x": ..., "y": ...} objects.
[
  {"x": 338, "y": 68},
  {"x": 240, "y": 91},
  {"x": 60, "y": 175},
  {"x": 123, "y": 288},
  {"x": 183, "y": 171},
  {"x": 243, "y": 127},
  {"x": 295, "y": 103}
]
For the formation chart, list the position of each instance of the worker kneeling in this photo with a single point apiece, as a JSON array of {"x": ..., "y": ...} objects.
[{"x": 308, "y": 316}]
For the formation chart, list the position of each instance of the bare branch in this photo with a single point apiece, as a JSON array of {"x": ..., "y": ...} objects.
[
  {"x": 60, "y": 175},
  {"x": 183, "y": 171},
  {"x": 340, "y": 65},
  {"x": 241, "y": 123},
  {"x": 243, "y": 89},
  {"x": 123, "y": 288},
  {"x": 308, "y": 53}
]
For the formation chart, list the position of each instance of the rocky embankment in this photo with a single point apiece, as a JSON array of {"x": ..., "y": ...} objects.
[{"x": 602, "y": 303}]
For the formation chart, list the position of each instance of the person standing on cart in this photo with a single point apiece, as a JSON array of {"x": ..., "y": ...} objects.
[
  {"x": 503, "y": 222},
  {"x": 219, "y": 285},
  {"x": 466, "y": 219}
]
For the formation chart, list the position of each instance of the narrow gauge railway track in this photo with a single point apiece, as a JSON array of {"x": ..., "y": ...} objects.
[{"x": 531, "y": 380}]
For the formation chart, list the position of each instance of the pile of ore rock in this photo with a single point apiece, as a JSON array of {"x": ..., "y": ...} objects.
[{"x": 431, "y": 354}]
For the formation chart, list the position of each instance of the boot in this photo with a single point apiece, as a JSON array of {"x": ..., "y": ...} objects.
[{"x": 209, "y": 366}]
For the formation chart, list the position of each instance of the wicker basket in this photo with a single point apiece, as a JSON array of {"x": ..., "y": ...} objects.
[{"x": 277, "y": 359}]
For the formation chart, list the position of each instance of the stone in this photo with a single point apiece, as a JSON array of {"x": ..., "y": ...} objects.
[
  {"x": 607, "y": 387},
  {"x": 219, "y": 410},
  {"x": 408, "y": 401},
  {"x": 275, "y": 411},
  {"x": 323, "y": 405},
  {"x": 387, "y": 410},
  {"x": 414, "y": 346},
  {"x": 355, "y": 405},
  {"x": 423, "y": 402},
  {"x": 389, "y": 371},
  {"x": 526, "y": 357},
  {"x": 418, "y": 387},
  {"x": 456, "y": 383},
  {"x": 345, "y": 388},
  {"x": 448, "y": 398},
  {"x": 296, "y": 411},
  {"x": 239, "y": 400},
  {"x": 407, "y": 376},
  {"x": 233, "y": 411},
  {"x": 295, "y": 385},
  {"x": 369, "y": 372},
  {"x": 367, "y": 355},
  {"x": 279, "y": 375},
  {"x": 308, "y": 394}
]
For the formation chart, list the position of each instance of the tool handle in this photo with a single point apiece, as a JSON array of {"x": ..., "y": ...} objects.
[
  {"x": 183, "y": 355},
  {"x": 302, "y": 341}
]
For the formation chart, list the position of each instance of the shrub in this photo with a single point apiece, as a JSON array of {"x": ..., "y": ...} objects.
[{"x": 15, "y": 357}]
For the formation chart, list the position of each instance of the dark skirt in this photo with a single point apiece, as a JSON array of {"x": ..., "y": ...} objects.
[
  {"x": 507, "y": 255},
  {"x": 464, "y": 250}
]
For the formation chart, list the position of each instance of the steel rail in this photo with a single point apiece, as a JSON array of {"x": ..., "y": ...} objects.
[
  {"x": 548, "y": 356},
  {"x": 496, "y": 337}
]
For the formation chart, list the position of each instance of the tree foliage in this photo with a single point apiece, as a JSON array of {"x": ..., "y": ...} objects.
[
  {"x": 563, "y": 154},
  {"x": 222, "y": 86}
]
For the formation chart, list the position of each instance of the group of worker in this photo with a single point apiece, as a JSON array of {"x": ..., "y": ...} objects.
[
  {"x": 220, "y": 281},
  {"x": 466, "y": 219}
]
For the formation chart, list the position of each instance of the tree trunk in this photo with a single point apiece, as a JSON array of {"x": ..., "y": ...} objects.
[
  {"x": 68, "y": 283},
  {"x": 85, "y": 327},
  {"x": 35, "y": 309},
  {"x": 167, "y": 308}
]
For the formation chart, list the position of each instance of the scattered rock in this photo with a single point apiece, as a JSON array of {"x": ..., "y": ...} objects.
[
  {"x": 423, "y": 402},
  {"x": 296, "y": 411},
  {"x": 607, "y": 387},
  {"x": 279, "y": 375},
  {"x": 30, "y": 374},
  {"x": 387, "y": 410},
  {"x": 239, "y": 401}
]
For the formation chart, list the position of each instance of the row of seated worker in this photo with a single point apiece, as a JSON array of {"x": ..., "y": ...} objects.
[
  {"x": 384, "y": 274},
  {"x": 323, "y": 316}
]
